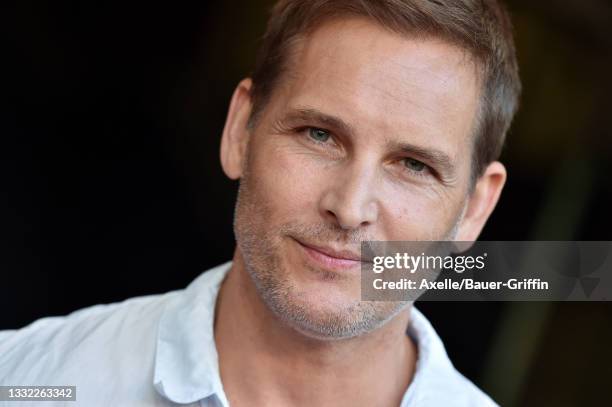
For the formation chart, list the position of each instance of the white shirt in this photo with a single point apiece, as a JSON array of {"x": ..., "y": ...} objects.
[{"x": 159, "y": 350}]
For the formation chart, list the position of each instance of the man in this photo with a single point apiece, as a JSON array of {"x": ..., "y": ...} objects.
[{"x": 377, "y": 120}]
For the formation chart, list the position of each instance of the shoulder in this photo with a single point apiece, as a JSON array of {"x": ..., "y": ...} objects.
[
  {"x": 463, "y": 392},
  {"x": 437, "y": 381},
  {"x": 447, "y": 386},
  {"x": 87, "y": 344}
]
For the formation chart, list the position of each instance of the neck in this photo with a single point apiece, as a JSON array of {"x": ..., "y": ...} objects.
[{"x": 265, "y": 362}]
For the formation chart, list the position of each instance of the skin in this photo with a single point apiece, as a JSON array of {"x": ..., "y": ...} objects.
[{"x": 368, "y": 137}]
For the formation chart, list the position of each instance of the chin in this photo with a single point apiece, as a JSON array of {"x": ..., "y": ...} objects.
[{"x": 325, "y": 316}]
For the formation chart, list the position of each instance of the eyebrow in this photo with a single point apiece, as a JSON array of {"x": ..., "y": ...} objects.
[{"x": 438, "y": 159}]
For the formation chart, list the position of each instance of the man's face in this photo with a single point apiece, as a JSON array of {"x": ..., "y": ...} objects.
[{"x": 367, "y": 137}]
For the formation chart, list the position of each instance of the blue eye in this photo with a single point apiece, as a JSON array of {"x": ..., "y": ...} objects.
[
  {"x": 414, "y": 165},
  {"x": 318, "y": 134}
]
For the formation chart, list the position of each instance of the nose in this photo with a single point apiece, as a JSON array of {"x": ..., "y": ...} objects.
[{"x": 350, "y": 201}]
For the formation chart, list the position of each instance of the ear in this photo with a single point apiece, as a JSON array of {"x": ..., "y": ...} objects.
[
  {"x": 235, "y": 133},
  {"x": 482, "y": 201}
]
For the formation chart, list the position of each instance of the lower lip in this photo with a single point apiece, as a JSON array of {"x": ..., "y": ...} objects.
[{"x": 328, "y": 262}]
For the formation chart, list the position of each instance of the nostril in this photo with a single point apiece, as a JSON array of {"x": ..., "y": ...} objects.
[{"x": 332, "y": 217}]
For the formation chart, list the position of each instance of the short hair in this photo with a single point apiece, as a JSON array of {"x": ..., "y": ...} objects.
[{"x": 482, "y": 27}]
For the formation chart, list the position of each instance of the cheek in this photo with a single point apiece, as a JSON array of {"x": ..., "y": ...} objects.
[
  {"x": 419, "y": 214},
  {"x": 289, "y": 182}
]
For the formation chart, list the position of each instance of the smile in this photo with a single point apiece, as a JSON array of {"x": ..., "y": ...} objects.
[{"x": 329, "y": 258}]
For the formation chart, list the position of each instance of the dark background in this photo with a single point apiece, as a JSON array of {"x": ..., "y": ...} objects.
[{"x": 111, "y": 187}]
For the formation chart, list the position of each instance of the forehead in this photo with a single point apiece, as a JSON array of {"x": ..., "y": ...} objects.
[{"x": 384, "y": 82}]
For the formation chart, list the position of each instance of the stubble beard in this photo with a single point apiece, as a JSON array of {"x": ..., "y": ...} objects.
[{"x": 260, "y": 247}]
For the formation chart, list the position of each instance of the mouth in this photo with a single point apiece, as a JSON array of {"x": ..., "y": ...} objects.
[{"x": 331, "y": 258}]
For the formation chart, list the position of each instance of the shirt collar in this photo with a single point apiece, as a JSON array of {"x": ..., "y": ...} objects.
[
  {"x": 186, "y": 360},
  {"x": 434, "y": 370}
]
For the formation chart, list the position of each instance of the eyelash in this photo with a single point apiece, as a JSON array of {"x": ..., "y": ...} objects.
[
  {"x": 308, "y": 131},
  {"x": 426, "y": 172}
]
